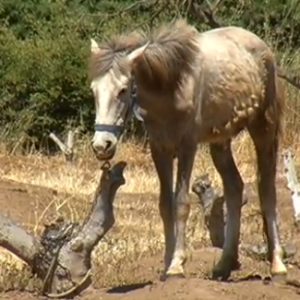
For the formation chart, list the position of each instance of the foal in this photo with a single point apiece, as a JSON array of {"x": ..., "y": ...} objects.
[{"x": 195, "y": 88}]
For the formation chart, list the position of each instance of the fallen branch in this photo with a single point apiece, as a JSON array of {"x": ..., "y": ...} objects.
[
  {"x": 67, "y": 147},
  {"x": 62, "y": 257},
  {"x": 16, "y": 240},
  {"x": 213, "y": 204},
  {"x": 214, "y": 207},
  {"x": 214, "y": 218},
  {"x": 292, "y": 182}
]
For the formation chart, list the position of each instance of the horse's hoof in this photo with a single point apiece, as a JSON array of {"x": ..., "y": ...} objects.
[
  {"x": 222, "y": 270},
  {"x": 220, "y": 274}
]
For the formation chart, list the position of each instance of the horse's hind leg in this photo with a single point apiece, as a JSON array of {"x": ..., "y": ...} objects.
[
  {"x": 233, "y": 193},
  {"x": 264, "y": 136}
]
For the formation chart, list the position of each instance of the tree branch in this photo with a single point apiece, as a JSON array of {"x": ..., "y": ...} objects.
[
  {"x": 66, "y": 148},
  {"x": 101, "y": 217},
  {"x": 204, "y": 12},
  {"x": 213, "y": 203},
  {"x": 292, "y": 182},
  {"x": 62, "y": 257},
  {"x": 16, "y": 240},
  {"x": 213, "y": 207}
]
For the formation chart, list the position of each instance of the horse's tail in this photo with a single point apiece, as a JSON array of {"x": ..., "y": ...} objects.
[{"x": 275, "y": 95}]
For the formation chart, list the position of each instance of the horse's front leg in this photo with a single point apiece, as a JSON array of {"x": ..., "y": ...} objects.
[
  {"x": 163, "y": 161},
  {"x": 181, "y": 209},
  {"x": 233, "y": 193}
]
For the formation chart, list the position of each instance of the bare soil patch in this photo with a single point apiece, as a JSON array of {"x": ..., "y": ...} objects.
[{"x": 135, "y": 276}]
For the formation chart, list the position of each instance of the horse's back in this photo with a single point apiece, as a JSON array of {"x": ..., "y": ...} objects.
[
  {"x": 236, "y": 35},
  {"x": 233, "y": 66}
]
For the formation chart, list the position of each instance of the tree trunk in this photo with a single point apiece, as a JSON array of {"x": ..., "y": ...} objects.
[
  {"x": 62, "y": 257},
  {"x": 16, "y": 240}
]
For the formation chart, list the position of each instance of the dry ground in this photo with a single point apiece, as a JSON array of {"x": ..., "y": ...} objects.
[{"x": 33, "y": 188}]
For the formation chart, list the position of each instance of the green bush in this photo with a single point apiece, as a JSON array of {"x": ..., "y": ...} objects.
[{"x": 44, "y": 48}]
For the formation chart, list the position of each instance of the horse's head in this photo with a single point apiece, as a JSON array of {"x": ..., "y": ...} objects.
[{"x": 112, "y": 86}]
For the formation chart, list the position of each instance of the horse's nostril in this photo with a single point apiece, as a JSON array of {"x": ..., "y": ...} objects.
[{"x": 108, "y": 145}]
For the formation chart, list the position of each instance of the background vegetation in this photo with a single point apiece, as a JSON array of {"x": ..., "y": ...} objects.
[{"x": 44, "y": 48}]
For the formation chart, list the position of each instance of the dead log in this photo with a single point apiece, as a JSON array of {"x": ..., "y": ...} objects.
[
  {"x": 16, "y": 240},
  {"x": 213, "y": 204},
  {"x": 61, "y": 258}
]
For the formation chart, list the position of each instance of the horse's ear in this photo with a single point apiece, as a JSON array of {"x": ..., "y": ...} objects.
[
  {"x": 137, "y": 53},
  {"x": 94, "y": 47}
]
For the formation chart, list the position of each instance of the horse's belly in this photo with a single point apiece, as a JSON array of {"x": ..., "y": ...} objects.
[{"x": 224, "y": 114}]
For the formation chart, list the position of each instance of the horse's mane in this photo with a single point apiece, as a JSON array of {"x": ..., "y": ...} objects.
[
  {"x": 111, "y": 52},
  {"x": 170, "y": 54}
]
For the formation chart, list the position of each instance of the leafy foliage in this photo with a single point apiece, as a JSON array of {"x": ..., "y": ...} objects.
[{"x": 44, "y": 47}]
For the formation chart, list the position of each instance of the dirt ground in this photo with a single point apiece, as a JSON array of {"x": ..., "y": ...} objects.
[{"x": 17, "y": 199}]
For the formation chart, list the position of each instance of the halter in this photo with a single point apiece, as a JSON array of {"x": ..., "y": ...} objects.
[{"x": 118, "y": 129}]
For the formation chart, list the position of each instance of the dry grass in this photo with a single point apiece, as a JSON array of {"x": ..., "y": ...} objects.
[
  {"x": 138, "y": 230},
  {"x": 80, "y": 178}
]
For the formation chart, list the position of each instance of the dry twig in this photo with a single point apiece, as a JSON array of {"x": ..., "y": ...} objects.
[
  {"x": 66, "y": 148},
  {"x": 292, "y": 182}
]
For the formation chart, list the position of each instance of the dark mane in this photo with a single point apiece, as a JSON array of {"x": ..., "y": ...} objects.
[
  {"x": 111, "y": 53},
  {"x": 170, "y": 54}
]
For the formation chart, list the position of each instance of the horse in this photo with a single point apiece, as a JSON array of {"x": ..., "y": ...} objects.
[{"x": 195, "y": 87}]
